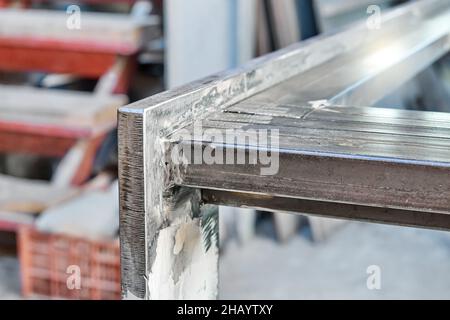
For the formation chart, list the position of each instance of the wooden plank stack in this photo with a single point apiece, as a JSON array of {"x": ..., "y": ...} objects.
[
  {"x": 41, "y": 40},
  {"x": 65, "y": 124}
]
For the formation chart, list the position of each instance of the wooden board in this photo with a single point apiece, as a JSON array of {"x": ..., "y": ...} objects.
[
  {"x": 30, "y": 196},
  {"x": 99, "y": 32},
  {"x": 47, "y": 59},
  {"x": 39, "y": 40},
  {"x": 57, "y": 112},
  {"x": 12, "y": 221}
]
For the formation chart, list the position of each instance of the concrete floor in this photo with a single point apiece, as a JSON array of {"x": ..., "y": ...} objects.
[
  {"x": 414, "y": 263},
  {"x": 9, "y": 278}
]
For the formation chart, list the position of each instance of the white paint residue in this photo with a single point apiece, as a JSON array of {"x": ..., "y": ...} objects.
[
  {"x": 198, "y": 279},
  {"x": 130, "y": 296}
]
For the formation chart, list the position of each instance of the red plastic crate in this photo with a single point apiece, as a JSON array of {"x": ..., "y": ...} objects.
[{"x": 45, "y": 259}]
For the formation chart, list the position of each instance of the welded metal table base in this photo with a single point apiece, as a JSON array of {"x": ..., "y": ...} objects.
[{"x": 337, "y": 156}]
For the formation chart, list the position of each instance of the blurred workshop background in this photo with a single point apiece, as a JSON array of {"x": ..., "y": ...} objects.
[{"x": 65, "y": 68}]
